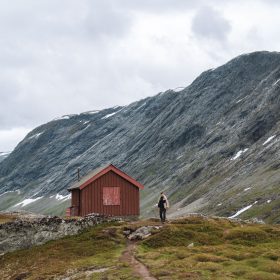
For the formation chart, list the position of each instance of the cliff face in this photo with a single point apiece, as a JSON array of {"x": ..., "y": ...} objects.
[{"x": 213, "y": 146}]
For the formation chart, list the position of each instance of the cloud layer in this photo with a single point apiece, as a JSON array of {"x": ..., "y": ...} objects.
[{"x": 69, "y": 56}]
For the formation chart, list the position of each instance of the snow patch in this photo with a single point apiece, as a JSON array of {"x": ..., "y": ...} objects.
[
  {"x": 3, "y": 154},
  {"x": 35, "y": 194},
  {"x": 242, "y": 210},
  {"x": 142, "y": 105},
  {"x": 110, "y": 115},
  {"x": 92, "y": 112},
  {"x": 276, "y": 82},
  {"x": 239, "y": 153},
  {"x": 245, "y": 190},
  {"x": 66, "y": 117},
  {"x": 239, "y": 100},
  {"x": 219, "y": 204},
  {"x": 269, "y": 139},
  {"x": 61, "y": 197},
  {"x": 17, "y": 191},
  {"x": 28, "y": 201},
  {"x": 86, "y": 127},
  {"x": 178, "y": 89},
  {"x": 35, "y": 136}
]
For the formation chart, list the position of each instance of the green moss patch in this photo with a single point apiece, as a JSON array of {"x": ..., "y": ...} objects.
[{"x": 213, "y": 249}]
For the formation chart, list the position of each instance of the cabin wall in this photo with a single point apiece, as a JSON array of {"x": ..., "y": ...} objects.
[
  {"x": 75, "y": 203},
  {"x": 91, "y": 197}
]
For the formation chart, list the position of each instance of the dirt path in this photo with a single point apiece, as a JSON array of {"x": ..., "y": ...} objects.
[{"x": 139, "y": 268}]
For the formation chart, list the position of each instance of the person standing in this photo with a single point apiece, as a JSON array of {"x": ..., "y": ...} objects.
[{"x": 163, "y": 204}]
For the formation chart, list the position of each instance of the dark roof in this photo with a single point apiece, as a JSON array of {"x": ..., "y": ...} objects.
[{"x": 95, "y": 174}]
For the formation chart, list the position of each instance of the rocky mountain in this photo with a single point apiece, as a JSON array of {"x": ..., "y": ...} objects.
[
  {"x": 3, "y": 155},
  {"x": 212, "y": 146}
]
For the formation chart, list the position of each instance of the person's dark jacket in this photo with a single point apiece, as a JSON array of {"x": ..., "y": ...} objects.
[{"x": 162, "y": 203}]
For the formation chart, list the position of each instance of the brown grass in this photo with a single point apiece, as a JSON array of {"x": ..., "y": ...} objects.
[
  {"x": 222, "y": 250},
  {"x": 98, "y": 247},
  {"x": 5, "y": 218}
]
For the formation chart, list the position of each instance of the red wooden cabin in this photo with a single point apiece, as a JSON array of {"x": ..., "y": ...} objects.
[{"x": 107, "y": 191}]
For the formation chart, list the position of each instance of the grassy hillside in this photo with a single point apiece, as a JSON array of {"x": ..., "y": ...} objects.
[
  {"x": 97, "y": 249},
  {"x": 220, "y": 249},
  {"x": 189, "y": 248}
]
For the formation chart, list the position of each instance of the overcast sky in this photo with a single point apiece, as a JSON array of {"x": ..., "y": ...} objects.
[{"x": 68, "y": 56}]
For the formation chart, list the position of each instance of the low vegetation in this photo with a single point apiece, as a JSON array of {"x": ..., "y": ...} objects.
[
  {"x": 93, "y": 252},
  {"x": 191, "y": 248},
  {"x": 199, "y": 248}
]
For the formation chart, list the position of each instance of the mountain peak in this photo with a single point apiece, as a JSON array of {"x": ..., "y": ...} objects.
[{"x": 204, "y": 145}]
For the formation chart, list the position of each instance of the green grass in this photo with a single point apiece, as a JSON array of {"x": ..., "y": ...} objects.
[
  {"x": 222, "y": 249},
  {"x": 98, "y": 247},
  {"x": 9, "y": 199}
]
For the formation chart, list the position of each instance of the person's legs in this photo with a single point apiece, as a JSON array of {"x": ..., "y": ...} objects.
[{"x": 163, "y": 214}]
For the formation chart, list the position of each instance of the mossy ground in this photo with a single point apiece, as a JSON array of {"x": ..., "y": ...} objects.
[
  {"x": 98, "y": 247},
  {"x": 222, "y": 249}
]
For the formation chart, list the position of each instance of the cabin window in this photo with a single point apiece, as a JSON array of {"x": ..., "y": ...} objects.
[{"x": 111, "y": 196}]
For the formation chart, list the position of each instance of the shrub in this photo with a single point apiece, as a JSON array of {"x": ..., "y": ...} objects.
[
  {"x": 259, "y": 275},
  {"x": 271, "y": 256},
  {"x": 274, "y": 268},
  {"x": 251, "y": 234},
  {"x": 210, "y": 266},
  {"x": 209, "y": 258}
]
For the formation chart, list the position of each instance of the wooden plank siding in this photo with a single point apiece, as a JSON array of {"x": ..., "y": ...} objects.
[
  {"x": 91, "y": 197},
  {"x": 75, "y": 197},
  {"x": 75, "y": 203}
]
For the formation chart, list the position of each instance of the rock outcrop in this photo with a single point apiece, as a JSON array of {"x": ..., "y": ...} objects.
[
  {"x": 28, "y": 230},
  {"x": 141, "y": 232}
]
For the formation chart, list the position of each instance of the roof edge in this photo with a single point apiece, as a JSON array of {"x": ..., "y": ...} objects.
[{"x": 105, "y": 170}]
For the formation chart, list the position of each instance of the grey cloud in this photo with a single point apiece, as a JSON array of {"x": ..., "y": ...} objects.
[
  {"x": 105, "y": 18},
  {"x": 210, "y": 24},
  {"x": 69, "y": 56},
  {"x": 269, "y": 2},
  {"x": 161, "y": 5}
]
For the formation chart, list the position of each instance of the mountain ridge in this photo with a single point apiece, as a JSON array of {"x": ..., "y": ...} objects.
[
  {"x": 184, "y": 142},
  {"x": 3, "y": 155}
]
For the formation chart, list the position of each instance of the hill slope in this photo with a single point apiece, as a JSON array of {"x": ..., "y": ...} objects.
[
  {"x": 190, "y": 248},
  {"x": 213, "y": 146}
]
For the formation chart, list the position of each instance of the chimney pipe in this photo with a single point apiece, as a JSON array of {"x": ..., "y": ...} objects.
[{"x": 78, "y": 173}]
